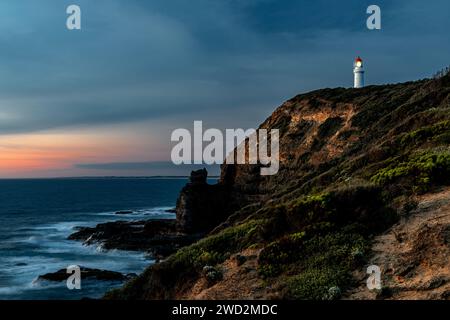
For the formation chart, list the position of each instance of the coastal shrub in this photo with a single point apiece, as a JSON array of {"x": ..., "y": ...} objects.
[
  {"x": 272, "y": 223},
  {"x": 363, "y": 204},
  {"x": 320, "y": 228},
  {"x": 325, "y": 262},
  {"x": 334, "y": 293},
  {"x": 216, "y": 248},
  {"x": 306, "y": 210},
  {"x": 329, "y": 238},
  {"x": 336, "y": 247},
  {"x": 186, "y": 265},
  {"x": 443, "y": 138},
  {"x": 314, "y": 284},
  {"x": 212, "y": 274},
  {"x": 279, "y": 254},
  {"x": 424, "y": 169},
  {"x": 206, "y": 257},
  {"x": 423, "y": 134},
  {"x": 299, "y": 251}
]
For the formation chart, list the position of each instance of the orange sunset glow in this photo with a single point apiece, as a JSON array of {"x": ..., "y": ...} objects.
[{"x": 55, "y": 154}]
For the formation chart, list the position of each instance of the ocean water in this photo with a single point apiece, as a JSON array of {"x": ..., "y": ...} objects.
[{"x": 37, "y": 216}]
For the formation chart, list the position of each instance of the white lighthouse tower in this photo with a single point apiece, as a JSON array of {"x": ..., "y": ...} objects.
[{"x": 358, "y": 71}]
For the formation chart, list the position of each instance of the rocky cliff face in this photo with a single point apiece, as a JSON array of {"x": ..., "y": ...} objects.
[
  {"x": 200, "y": 206},
  {"x": 323, "y": 129},
  {"x": 352, "y": 163}
]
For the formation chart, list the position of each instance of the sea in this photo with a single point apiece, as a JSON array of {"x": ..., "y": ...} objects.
[{"x": 37, "y": 216}]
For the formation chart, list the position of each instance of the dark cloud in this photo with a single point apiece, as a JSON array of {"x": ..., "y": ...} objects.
[{"x": 175, "y": 61}]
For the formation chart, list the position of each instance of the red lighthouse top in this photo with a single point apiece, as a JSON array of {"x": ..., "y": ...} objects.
[{"x": 358, "y": 59}]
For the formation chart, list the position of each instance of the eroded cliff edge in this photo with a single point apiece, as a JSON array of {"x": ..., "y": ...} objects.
[{"x": 354, "y": 166}]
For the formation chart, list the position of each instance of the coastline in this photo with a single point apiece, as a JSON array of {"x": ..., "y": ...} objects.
[
  {"x": 157, "y": 239},
  {"x": 34, "y": 233}
]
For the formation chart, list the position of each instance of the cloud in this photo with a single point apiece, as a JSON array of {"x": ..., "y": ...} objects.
[
  {"x": 157, "y": 60},
  {"x": 228, "y": 63}
]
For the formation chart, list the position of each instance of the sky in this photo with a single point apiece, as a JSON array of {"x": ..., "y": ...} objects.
[{"x": 104, "y": 100}]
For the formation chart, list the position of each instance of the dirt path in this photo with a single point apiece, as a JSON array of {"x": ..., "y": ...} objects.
[{"x": 414, "y": 255}]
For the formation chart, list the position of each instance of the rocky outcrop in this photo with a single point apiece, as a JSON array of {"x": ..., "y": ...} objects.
[
  {"x": 88, "y": 273},
  {"x": 200, "y": 206},
  {"x": 159, "y": 238}
]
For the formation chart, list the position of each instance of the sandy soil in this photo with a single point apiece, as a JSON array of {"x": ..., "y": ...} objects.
[{"x": 414, "y": 255}]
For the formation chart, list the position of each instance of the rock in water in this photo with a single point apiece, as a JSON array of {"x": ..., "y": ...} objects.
[
  {"x": 87, "y": 273},
  {"x": 157, "y": 237}
]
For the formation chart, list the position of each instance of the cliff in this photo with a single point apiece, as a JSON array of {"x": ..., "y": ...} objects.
[{"x": 358, "y": 169}]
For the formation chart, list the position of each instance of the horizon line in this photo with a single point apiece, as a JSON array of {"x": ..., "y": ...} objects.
[{"x": 104, "y": 177}]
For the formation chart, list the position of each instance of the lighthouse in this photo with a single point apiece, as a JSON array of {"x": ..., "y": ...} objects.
[{"x": 358, "y": 72}]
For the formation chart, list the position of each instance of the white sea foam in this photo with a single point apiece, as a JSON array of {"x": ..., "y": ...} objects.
[
  {"x": 44, "y": 248},
  {"x": 147, "y": 213}
]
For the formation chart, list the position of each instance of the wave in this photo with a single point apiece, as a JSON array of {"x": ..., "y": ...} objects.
[
  {"x": 44, "y": 248},
  {"x": 158, "y": 212}
]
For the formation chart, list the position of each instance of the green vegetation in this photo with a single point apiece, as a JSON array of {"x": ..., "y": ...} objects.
[
  {"x": 325, "y": 262},
  {"x": 423, "y": 134},
  {"x": 212, "y": 275},
  {"x": 423, "y": 170},
  {"x": 314, "y": 284},
  {"x": 216, "y": 248},
  {"x": 331, "y": 240}
]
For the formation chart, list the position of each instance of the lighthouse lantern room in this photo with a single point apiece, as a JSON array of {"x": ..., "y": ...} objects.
[{"x": 358, "y": 72}]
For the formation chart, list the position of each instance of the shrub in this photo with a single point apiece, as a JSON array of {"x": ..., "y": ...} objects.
[
  {"x": 279, "y": 254},
  {"x": 314, "y": 284},
  {"x": 424, "y": 170},
  {"x": 218, "y": 247},
  {"x": 329, "y": 241},
  {"x": 334, "y": 293},
  {"x": 212, "y": 275},
  {"x": 425, "y": 133}
]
